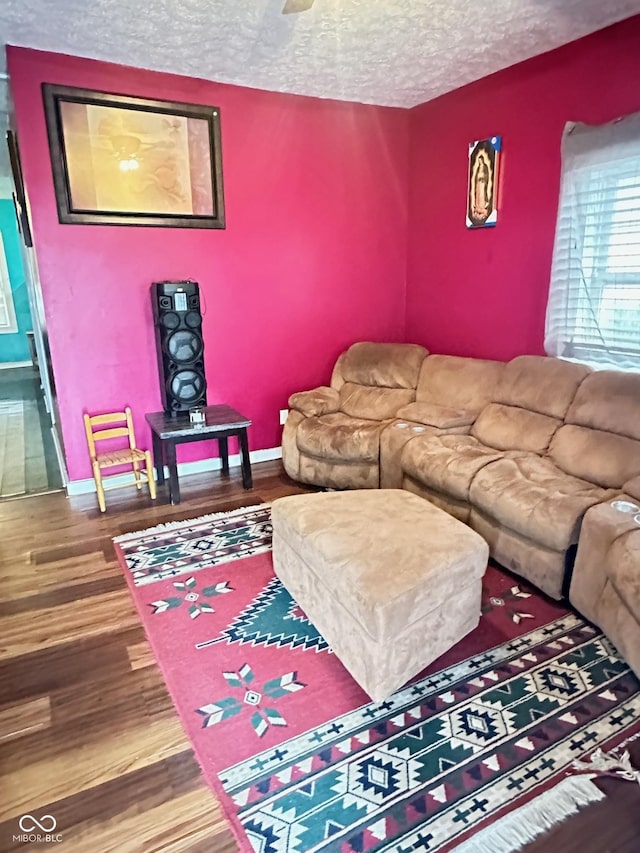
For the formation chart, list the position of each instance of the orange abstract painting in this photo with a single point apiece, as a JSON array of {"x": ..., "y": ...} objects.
[{"x": 126, "y": 159}]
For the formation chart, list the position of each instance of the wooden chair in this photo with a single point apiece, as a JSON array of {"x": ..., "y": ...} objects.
[{"x": 117, "y": 425}]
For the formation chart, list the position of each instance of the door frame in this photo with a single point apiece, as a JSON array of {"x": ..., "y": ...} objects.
[{"x": 36, "y": 302}]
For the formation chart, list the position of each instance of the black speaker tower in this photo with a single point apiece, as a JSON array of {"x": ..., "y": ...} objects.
[{"x": 179, "y": 344}]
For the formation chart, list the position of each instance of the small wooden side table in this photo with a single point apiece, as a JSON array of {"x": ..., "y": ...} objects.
[{"x": 220, "y": 423}]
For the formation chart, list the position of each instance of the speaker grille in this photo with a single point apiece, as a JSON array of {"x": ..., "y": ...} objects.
[
  {"x": 170, "y": 320},
  {"x": 186, "y": 386},
  {"x": 184, "y": 346}
]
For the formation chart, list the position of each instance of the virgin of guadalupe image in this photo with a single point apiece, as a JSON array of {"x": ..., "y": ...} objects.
[{"x": 481, "y": 209}]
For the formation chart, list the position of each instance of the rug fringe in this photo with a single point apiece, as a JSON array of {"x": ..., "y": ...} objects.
[
  {"x": 173, "y": 525},
  {"x": 614, "y": 763},
  {"x": 523, "y": 825}
]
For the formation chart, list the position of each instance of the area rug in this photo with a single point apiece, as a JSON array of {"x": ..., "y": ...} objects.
[{"x": 299, "y": 757}]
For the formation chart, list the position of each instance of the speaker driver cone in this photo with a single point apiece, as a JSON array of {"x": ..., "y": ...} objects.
[
  {"x": 170, "y": 320},
  {"x": 186, "y": 385},
  {"x": 192, "y": 319},
  {"x": 184, "y": 346}
]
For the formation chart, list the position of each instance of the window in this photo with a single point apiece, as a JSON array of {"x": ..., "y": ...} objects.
[
  {"x": 8, "y": 322},
  {"x": 593, "y": 314}
]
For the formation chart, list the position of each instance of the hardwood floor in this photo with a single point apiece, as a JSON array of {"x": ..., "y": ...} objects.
[
  {"x": 88, "y": 732},
  {"x": 28, "y": 461}
]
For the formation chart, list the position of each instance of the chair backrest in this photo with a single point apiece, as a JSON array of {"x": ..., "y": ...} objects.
[{"x": 110, "y": 425}]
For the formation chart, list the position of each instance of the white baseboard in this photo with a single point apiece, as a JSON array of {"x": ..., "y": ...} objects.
[
  {"x": 8, "y": 365},
  {"x": 86, "y": 487}
]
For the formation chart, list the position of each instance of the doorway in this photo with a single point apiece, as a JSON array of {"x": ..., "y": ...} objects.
[{"x": 31, "y": 460}]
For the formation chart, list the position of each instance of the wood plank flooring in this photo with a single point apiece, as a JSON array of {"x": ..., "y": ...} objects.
[
  {"x": 88, "y": 732},
  {"x": 28, "y": 462},
  {"x": 13, "y": 480}
]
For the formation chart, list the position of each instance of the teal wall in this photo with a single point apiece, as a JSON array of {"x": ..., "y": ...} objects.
[{"x": 14, "y": 347}]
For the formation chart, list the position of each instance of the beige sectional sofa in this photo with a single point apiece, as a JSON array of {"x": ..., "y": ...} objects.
[
  {"x": 535, "y": 461},
  {"x": 519, "y": 451}
]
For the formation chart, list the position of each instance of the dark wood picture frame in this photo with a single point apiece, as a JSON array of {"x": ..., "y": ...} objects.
[
  {"x": 19, "y": 196},
  {"x": 70, "y": 213}
]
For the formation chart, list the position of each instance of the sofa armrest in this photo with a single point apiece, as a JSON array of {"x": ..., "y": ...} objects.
[
  {"x": 440, "y": 417},
  {"x": 632, "y": 487},
  {"x": 624, "y": 570},
  {"x": 318, "y": 401}
]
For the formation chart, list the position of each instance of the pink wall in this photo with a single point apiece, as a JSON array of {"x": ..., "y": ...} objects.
[
  {"x": 484, "y": 292},
  {"x": 312, "y": 259}
]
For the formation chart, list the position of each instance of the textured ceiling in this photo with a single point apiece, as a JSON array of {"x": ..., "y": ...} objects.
[{"x": 395, "y": 52}]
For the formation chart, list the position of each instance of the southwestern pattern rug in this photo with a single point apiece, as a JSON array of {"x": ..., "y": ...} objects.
[{"x": 302, "y": 760}]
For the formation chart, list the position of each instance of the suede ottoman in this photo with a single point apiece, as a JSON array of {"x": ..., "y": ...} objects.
[{"x": 389, "y": 580}]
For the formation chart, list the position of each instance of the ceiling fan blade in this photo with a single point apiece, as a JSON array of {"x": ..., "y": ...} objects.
[{"x": 296, "y": 6}]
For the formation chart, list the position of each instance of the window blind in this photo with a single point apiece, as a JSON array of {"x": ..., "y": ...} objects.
[{"x": 593, "y": 312}]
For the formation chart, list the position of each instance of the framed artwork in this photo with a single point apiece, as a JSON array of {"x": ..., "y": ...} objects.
[
  {"x": 482, "y": 192},
  {"x": 19, "y": 196},
  {"x": 129, "y": 161}
]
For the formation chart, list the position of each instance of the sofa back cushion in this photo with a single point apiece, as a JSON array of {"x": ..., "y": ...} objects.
[
  {"x": 510, "y": 428},
  {"x": 600, "y": 441},
  {"x": 541, "y": 384},
  {"x": 467, "y": 384},
  {"x": 375, "y": 404},
  {"x": 383, "y": 365},
  {"x": 532, "y": 398},
  {"x": 608, "y": 400}
]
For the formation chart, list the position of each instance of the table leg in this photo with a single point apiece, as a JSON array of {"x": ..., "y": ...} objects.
[
  {"x": 174, "y": 488},
  {"x": 247, "y": 479},
  {"x": 158, "y": 458},
  {"x": 223, "y": 450}
]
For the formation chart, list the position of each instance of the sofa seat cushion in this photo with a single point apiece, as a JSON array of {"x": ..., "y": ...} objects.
[
  {"x": 341, "y": 437},
  {"x": 319, "y": 401},
  {"x": 440, "y": 417},
  {"x": 531, "y": 496},
  {"x": 624, "y": 571},
  {"x": 446, "y": 463}
]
